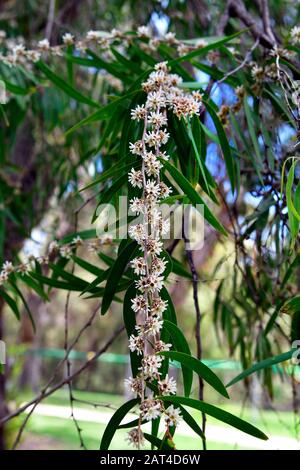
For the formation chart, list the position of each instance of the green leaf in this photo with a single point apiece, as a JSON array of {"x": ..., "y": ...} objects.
[
  {"x": 115, "y": 275},
  {"x": 114, "y": 422},
  {"x": 291, "y": 306},
  {"x": 103, "y": 113},
  {"x": 193, "y": 196},
  {"x": 181, "y": 345},
  {"x": 271, "y": 361},
  {"x": 293, "y": 211},
  {"x": 63, "y": 85},
  {"x": 201, "y": 369},
  {"x": 229, "y": 161},
  {"x": 11, "y": 303},
  {"x": 217, "y": 413},
  {"x": 203, "y": 50}
]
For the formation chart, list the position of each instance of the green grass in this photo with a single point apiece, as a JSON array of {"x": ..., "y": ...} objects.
[{"x": 63, "y": 430}]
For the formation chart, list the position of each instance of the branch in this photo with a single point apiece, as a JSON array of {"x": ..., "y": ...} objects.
[
  {"x": 236, "y": 8},
  {"x": 65, "y": 381},
  {"x": 195, "y": 280}
]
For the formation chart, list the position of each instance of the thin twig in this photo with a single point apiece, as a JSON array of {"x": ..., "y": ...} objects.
[
  {"x": 195, "y": 280},
  {"x": 45, "y": 394}
]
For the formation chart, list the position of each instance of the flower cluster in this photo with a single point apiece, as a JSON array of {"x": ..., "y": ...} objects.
[
  {"x": 54, "y": 249},
  {"x": 163, "y": 94},
  {"x": 17, "y": 53}
]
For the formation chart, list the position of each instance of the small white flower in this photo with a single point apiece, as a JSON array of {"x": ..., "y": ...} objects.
[
  {"x": 44, "y": 45},
  {"x": 137, "y": 232},
  {"x": 138, "y": 113},
  {"x": 172, "y": 416},
  {"x": 158, "y": 306},
  {"x": 77, "y": 241},
  {"x": 7, "y": 267},
  {"x": 157, "y": 119},
  {"x": 152, "y": 190},
  {"x": 150, "y": 409},
  {"x": 139, "y": 266},
  {"x": 134, "y": 384},
  {"x": 154, "y": 247},
  {"x": 155, "y": 100},
  {"x": 165, "y": 191},
  {"x": 151, "y": 327},
  {"x": 65, "y": 251},
  {"x": 136, "y": 437},
  {"x": 137, "y": 205},
  {"x": 68, "y": 39},
  {"x": 167, "y": 386},
  {"x": 93, "y": 35},
  {"x": 139, "y": 304},
  {"x": 136, "y": 148},
  {"x": 295, "y": 35},
  {"x": 136, "y": 343},
  {"x": 144, "y": 32},
  {"x": 151, "y": 365},
  {"x": 161, "y": 346},
  {"x": 158, "y": 265}
]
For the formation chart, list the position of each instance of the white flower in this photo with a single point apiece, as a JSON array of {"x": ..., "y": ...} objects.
[
  {"x": 139, "y": 304},
  {"x": 134, "y": 384},
  {"x": 152, "y": 164},
  {"x": 44, "y": 45},
  {"x": 77, "y": 241},
  {"x": 157, "y": 119},
  {"x": 7, "y": 267},
  {"x": 152, "y": 190},
  {"x": 136, "y": 343},
  {"x": 167, "y": 386},
  {"x": 158, "y": 265},
  {"x": 158, "y": 306},
  {"x": 65, "y": 251},
  {"x": 150, "y": 409},
  {"x": 23, "y": 268},
  {"x": 93, "y": 35},
  {"x": 151, "y": 327},
  {"x": 170, "y": 38},
  {"x": 135, "y": 437},
  {"x": 136, "y": 148},
  {"x": 137, "y": 205},
  {"x": 139, "y": 266},
  {"x": 162, "y": 66},
  {"x": 295, "y": 35},
  {"x": 138, "y": 113},
  {"x": 161, "y": 346},
  {"x": 68, "y": 39},
  {"x": 150, "y": 366},
  {"x": 165, "y": 191},
  {"x": 150, "y": 283},
  {"x": 155, "y": 100},
  {"x": 34, "y": 56},
  {"x": 137, "y": 232},
  {"x": 19, "y": 50},
  {"x": 173, "y": 416},
  {"x": 154, "y": 247},
  {"x": 144, "y": 32}
]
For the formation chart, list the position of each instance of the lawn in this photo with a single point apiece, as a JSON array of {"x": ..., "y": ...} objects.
[{"x": 61, "y": 430}]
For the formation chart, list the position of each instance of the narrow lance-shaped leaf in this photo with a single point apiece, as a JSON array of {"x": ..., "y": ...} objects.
[
  {"x": 193, "y": 196},
  {"x": 115, "y": 275},
  {"x": 217, "y": 413},
  {"x": 271, "y": 361},
  {"x": 114, "y": 422},
  {"x": 181, "y": 345},
  {"x": 201, "y": 369}
]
